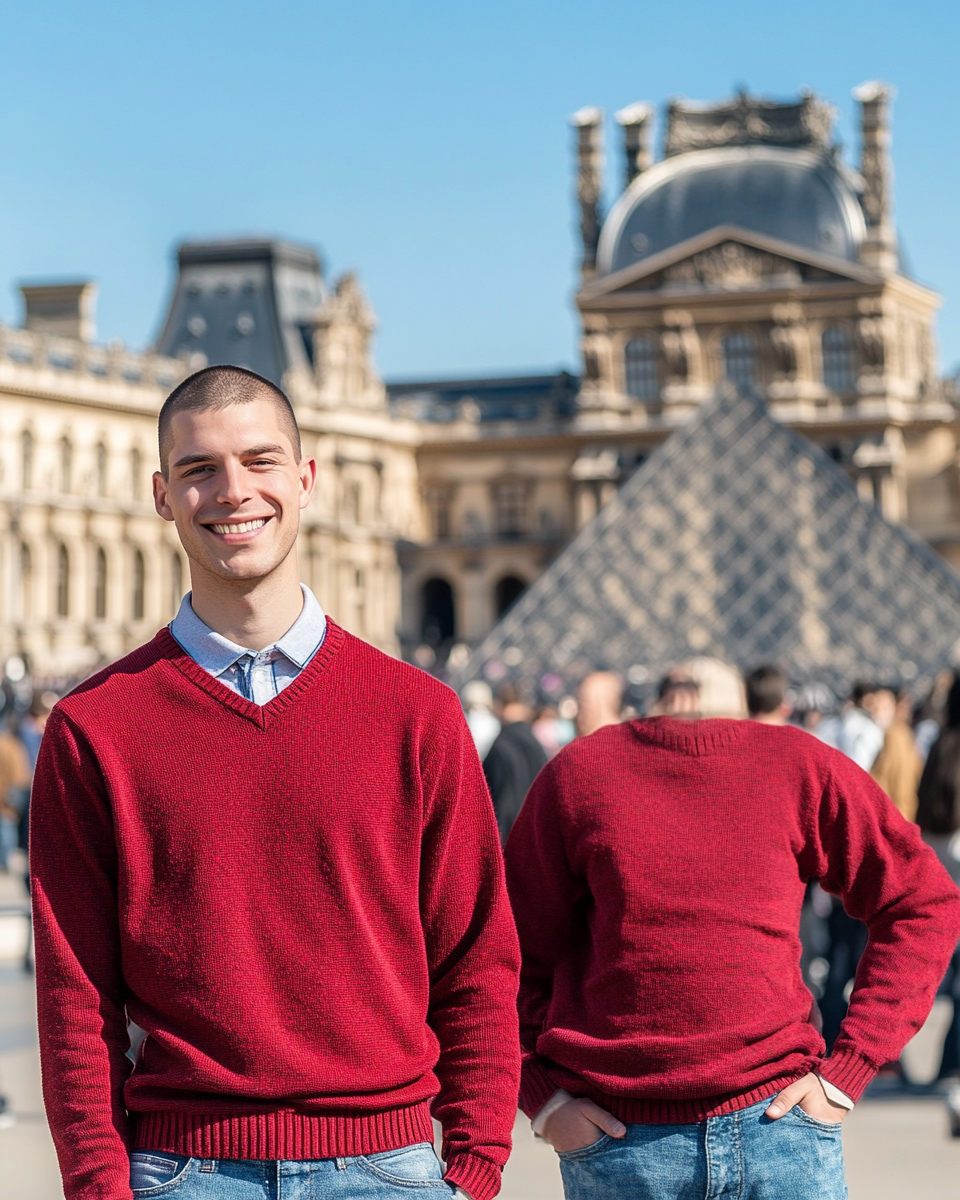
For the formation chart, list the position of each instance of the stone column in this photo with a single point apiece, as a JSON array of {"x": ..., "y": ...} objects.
[
  {"x": 588, "y": 123},
  {"x": 637, "y": 123},
  {"x": 880, "y": 247}
]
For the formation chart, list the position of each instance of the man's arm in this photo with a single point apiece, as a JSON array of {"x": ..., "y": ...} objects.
[
  {"x": 473, "y": 958},
  {"x": 863, "y": 850},
  {"x": 80, "y": 991},
  {"x": 547, "y": 898}
]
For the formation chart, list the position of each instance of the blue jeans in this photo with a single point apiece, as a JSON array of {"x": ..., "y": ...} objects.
[
  {"x": 413, "y": 1169},
  {"x": 742, "y": 1156}
]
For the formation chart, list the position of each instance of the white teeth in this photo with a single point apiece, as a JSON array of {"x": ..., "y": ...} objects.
[{"x": 239, "y": 526}]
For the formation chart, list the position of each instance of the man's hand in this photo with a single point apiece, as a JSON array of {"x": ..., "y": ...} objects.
[
  {"x": 580, "y": 1123},
  {"x": 809, "y": 1094}
]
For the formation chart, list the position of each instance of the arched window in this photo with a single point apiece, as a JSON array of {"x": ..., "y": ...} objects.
[
  {"x": 738, "y": 356},
  {"x": 507, "y": 591},
  {"x": 26, "y": 581},
  {"x": 640, "y": 361},
  {"x": 101, "y": 470},
  {"x": 176, "y": 581},
  {"x": 66, "y": 464},
  {"x": 137, "y": 594},
  {"x": 100, "y": 585},
  {"x": 63, "y": 581},
  {"x": 136, "y": 473},
  {"x": 26, "y": 460},
  {"x": 838, "y": 374},
  {"x": 439, "y": 623}
]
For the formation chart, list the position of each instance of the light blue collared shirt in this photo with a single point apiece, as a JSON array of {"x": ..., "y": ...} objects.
[{"x": 258, "y": 675}]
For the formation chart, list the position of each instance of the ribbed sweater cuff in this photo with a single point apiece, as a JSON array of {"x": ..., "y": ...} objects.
[
  {"x": 478, "y": 1177},
  {"x": 848, "y": 1071},
  {"x": 536, "y": 1087}
]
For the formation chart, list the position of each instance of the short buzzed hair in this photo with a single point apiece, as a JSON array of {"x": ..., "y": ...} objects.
[
  {"x": 766, "y": 689},
  {"x": 218, "y": 387}
]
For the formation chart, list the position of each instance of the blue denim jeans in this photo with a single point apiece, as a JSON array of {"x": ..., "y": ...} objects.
[
  {"x": 413, "y": 1169},
  {"x": 742, "y": 1156}
]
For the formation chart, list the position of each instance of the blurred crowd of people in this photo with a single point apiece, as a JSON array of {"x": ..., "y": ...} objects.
[
  {"x": 20, "y": 735},
  {"x": 910, "y": 745}
]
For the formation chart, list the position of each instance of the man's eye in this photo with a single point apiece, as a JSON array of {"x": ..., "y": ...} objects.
[
  {"x": 262, "y": 462},
  {"x": 196, "y": 471}
]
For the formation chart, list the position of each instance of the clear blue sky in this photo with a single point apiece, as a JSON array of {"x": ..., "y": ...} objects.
[{"x": 424, "y": 144}]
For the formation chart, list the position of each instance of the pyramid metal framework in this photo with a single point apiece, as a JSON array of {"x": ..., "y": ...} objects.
[{"x": 740, "y": 539}]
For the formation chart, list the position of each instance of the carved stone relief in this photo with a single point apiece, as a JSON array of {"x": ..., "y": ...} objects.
[{"x": 732, "y": 265}]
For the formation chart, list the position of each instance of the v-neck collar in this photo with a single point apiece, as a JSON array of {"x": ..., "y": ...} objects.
[{"x": 261, "y": 715}]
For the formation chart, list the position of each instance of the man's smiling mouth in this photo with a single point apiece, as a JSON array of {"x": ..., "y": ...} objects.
[{"x": 238, "y": 526}]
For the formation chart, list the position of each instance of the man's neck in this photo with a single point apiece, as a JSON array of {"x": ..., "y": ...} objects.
[{"x": 253, "y": 613}]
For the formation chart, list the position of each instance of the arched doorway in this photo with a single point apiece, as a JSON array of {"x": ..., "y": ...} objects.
[
  {"x": 507, "y": 592},
  {"x": 439, "y": 620}
]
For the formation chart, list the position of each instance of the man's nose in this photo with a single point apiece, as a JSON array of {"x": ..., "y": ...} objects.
[{"x": 233, "y": 487}]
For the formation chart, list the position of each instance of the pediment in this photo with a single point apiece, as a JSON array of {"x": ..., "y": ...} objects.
[{"x": 727, "y": 259}]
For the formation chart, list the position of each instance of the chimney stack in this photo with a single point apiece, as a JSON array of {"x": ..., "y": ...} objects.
[
  {"x": 588, "y": 123},
  {"x": 63, "y": 309},
  {"x": 880, "y": 247},
  {"x": 637, "y": 123}
]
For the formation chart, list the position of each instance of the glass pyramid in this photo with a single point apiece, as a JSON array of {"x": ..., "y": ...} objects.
[{"x": 739, "y": 539}]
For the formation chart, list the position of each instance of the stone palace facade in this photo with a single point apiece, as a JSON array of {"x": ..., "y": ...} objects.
[{"x": 750, "y": 251}]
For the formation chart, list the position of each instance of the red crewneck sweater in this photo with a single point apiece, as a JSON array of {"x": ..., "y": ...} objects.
[
  {"x": 657, "y": 872},
  {"x": 302, "y": 904}
]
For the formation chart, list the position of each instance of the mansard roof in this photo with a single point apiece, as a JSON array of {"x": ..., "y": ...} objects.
[
  {"x": 738, "y": 538},
  {"x": 509, "y": 398},
  {"x": 245, "y": 302}
]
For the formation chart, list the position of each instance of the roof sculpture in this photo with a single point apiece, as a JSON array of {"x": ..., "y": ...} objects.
[{"x": 740, "y": 539}]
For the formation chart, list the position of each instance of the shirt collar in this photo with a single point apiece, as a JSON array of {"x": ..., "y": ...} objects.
[{"x": 217, "y": 654}]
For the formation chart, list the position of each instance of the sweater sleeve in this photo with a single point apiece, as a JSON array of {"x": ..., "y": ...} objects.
[
  {"x": 547, "y": 897},
  {"x": 80, "y": 991},
  {"x": 863, "y": 850},
  {"x": 473, "y": 958}
]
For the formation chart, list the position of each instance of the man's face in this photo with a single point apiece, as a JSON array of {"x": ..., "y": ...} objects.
[{"x": 234, "y": 489}]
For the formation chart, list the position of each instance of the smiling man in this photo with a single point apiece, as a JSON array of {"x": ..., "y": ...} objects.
[{"x": 264, "y": 854}]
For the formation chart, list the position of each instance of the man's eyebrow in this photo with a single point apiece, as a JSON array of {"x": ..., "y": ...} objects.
[{"x": 188, "y": 460}]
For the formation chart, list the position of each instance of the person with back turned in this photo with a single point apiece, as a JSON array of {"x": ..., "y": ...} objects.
[
  {"x": 270, "y": 848},
  {"x": 657, "y": 872}
]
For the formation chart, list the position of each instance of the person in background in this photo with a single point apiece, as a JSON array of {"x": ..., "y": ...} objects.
[
  {"x": 599, "y": 702},
  {"x": 810, "y": 708},
  {"x": 938, "y": 815},
  {"x": 657, "y": 872},
  {"x": 930, "y": 718},
  {"x": 14, "y": 782},
  {"x": 857, "y": 735},
  {"x": 677, "y": 696},
  {"x": 767, "y": 695},
  {"x": 898, "y": 766},
  {"x": 547, "y": 731},
  {"x": 513, "y": 761},
  {"x": 478, "y": 705}
]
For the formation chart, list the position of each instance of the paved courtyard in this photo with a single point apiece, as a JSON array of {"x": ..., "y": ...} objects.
[{"x": 896, "y": 1147}]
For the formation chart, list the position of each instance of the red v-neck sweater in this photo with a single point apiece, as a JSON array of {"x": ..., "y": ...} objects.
[
  {"x": 302, "y": 904},
  {"x": 657, "y": 871}
]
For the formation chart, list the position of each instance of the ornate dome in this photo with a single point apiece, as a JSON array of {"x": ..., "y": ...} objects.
[{"x": 799, "y": 196}]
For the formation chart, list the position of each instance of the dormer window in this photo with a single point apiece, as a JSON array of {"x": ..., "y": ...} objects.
[{"x": 738, "y": 359}]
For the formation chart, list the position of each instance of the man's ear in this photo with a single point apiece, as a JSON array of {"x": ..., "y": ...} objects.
[
  {"x": 308, "y": 480},
  {"x": 160, "y": 489}
]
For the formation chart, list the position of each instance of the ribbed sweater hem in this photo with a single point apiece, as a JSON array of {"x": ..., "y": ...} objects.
[
  {"x": 478, "y": 1177},
  {"x": 283, "y": 1134},
  {"x": 645, "y": 1111}
]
